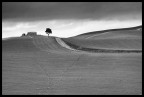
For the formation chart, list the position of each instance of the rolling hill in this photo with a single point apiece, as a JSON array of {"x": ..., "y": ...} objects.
[
  {"x": 44, "y": 66},
  {"x": 116, "y": 39}
]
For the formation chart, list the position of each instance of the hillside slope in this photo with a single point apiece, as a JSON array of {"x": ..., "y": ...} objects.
[
  {"x": 40, "y": 66},
  {"x": 119, "y": 39}
]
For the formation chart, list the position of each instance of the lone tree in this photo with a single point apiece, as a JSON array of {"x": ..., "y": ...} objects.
[
  {"x": 48, "y": 31},
  {"x": 23, "y": 34}
]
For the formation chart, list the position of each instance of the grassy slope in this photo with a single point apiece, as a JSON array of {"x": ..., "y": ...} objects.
[
  {"x": 35, "y": 66},
  {"x": 119, "y": 39},
  {"x": 121, "y": 30}
]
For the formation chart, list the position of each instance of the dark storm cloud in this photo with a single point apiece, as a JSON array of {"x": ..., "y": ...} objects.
[{"x": 34, "y": 11}]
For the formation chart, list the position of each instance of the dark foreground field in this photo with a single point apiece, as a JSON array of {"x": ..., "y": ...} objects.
[{"x": 39, "y": 65}]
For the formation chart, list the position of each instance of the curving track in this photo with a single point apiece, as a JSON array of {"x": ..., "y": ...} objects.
[{"x": 49, "y": 45}]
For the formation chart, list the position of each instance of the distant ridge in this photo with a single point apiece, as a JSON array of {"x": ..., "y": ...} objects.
[
  {"x": 119, "y": 29},
  {"x": 122, "y": 40}
]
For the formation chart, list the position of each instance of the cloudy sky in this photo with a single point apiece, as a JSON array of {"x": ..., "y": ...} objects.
[{"x": 68, "y": 18}]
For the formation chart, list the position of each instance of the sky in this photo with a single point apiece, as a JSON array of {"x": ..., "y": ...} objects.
[{"x": 67, "y": 19}]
